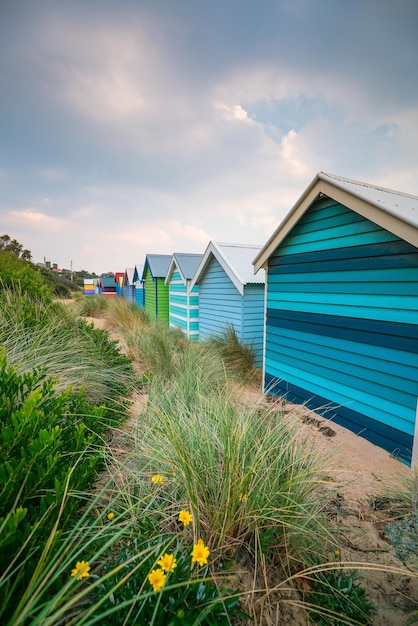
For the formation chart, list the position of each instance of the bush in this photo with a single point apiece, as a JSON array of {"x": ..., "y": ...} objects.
[
  {"x": 339, "y": 598},
  {"x": 16, "y": 272},
  {"x": 43, "y": 435}
]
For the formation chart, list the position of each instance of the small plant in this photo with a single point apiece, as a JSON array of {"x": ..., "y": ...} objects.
[
  {"x": 339, "y": 598},
  {"x": 166, "y": 588},
  {"x": 403, "y": 533},
  {"x": 401, "y": 499},
  {"x": 91, "y": 306},
  {"x": 237, "y": 357}
]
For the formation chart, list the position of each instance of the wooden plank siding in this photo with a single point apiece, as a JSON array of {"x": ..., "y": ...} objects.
[
  {"x": 342, "y": 323},
  {"x": 220, "y": 303},
  {"x": 184, "y": 307},
  {"x": 150, "y": 294},
  {"x": 129, "y": 292},
  {"x": 140, "y": 295}
]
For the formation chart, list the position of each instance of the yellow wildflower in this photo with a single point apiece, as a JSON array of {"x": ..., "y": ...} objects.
[
  {"x": 242, "y": 497},
  {"x": 110, "y": 516},
  {"x": 81, "y": 570},
  {"x": 157, "y": 479},
  {"x": 185, "y": 517},
  {"x": 167, "y": 562},
  {"x": 200, "y": 553},
  {"x": 337, "y": 553},
  {"x": 157, "y": 578}
]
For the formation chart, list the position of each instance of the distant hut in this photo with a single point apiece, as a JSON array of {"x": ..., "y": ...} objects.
[
  {"x": 90, "y": 286},
  {"x": 230, "y": 293},
  {"x": 128, "y": 285},
  {"x": 107, "y": 285},
  {"x": 119, "y": 283},
  {"x": 342, "y": 308},
  {"x": 183, "y": 301},
  {"x": 139, "y": 286}
]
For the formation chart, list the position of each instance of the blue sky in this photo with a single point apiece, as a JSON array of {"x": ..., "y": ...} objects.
[{"x": 136, "y": 126}]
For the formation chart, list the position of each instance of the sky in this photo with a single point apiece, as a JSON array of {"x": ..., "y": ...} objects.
[{"x": 130, "y": 127}]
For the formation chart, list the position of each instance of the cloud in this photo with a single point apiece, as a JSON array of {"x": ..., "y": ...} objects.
[{"x": 35, "y": 219}]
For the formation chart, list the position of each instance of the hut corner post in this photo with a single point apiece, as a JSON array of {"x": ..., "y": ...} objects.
[{"x": 414, "y": 461}]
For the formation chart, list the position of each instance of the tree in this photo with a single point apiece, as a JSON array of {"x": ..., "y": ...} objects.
[
  {"x": 16, "y": 272},
  {"x": 12, "y": 245}
]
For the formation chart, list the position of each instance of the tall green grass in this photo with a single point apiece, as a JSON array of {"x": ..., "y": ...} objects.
[
  {"x": 37, "y": 334},
  {"x": 238, "y": 358},
  {"x": 90, "y": 306},
  {"x": 243, "y": 470}
]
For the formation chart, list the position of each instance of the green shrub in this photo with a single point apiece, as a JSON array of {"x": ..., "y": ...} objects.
[
  {"x": 339, "y": 598},
  {"x": 17, "y": 272},
  {"x": 43, "y": 435}
]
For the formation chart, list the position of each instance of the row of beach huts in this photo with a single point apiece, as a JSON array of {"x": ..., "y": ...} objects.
[{"x": 329, "y": 305}]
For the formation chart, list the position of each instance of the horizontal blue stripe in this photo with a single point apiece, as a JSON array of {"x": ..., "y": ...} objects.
[
  {"x": 382, "y": 410},
  {"x": 391, "y": 439},
  {"x": 380, "y": 333},
  {"x": 393, "y": 254}
]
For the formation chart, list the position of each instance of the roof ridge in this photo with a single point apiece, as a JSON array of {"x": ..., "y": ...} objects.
[{"x": 361, "y": 183}]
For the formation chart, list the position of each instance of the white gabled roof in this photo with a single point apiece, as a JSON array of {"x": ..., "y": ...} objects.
[
  {"x": 129, "y": 274},
  {"x": 235, "y": 259},
  {"x": 186, "y": 264},
  {"x": 395, "y": 211}
]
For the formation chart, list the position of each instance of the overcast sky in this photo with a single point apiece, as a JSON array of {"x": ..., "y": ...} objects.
[{"x": 130, "y": 127}]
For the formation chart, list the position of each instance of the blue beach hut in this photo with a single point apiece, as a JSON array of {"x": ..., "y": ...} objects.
[
  {"x": 139, "y": 285},
  {"x": 230, "y": 293},
  {"x": 183, "y": 301},
  {"x": 342, "y": 308},
  {"x": 128, "y": 285}
]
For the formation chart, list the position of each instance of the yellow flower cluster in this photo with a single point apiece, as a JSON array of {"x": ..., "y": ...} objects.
[
  {"x": 81, "y": 570},
  {"x": 167, "y": 562},
  {"x": 157, "y": 479}
]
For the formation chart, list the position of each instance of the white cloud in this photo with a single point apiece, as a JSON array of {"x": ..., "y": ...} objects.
[{"x": 35, "y": 219}]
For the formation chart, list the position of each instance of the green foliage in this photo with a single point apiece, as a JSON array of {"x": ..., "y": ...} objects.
[
  {"x": 189, "y": 596},
  {"x": 237, "y": 357},
  {"x": 245, "y": 473},
  {"x": 91, "y": 306},
  {"x": 43, "y": 335},
  {"x": 43, "y": 436},
  {"x": 400, "y": 499},
  {"x": 16, "y": 272},
  {"x": 61, "y": 286},
  {"x": 403, "y": 533},
  {"x": 7, "y": 244},
  {"x": 339, "y": 598}
]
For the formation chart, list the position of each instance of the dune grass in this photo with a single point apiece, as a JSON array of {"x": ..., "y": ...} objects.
[
  {"x": 49, "y": 336},
  {"x": 244, "y": 478}
]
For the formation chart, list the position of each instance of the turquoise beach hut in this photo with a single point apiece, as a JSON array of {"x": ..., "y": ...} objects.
[
  {"x": 139, "y": 296},
  {"x": 183, "y": 301},
  {"x": 342, "y": 308},
  {"x": 230, "y": 293}
]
